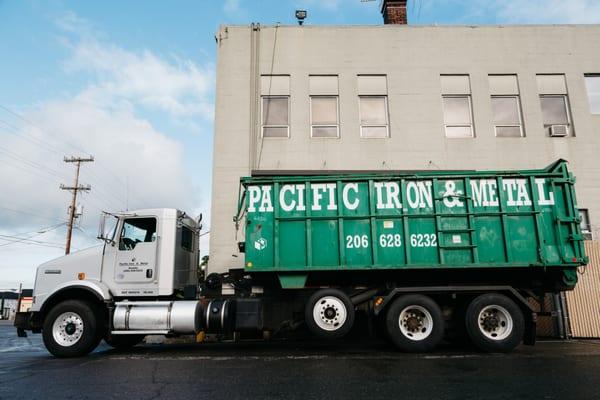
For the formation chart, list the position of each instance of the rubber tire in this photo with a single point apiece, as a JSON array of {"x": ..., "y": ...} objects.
[
  {"x": 479, "y": 339},
  {"x": 123, "y": 342},
  {"x": 404, "y": 343},
  {"x": 91, "y": 335},
  {"x": 312, "y": 325}
]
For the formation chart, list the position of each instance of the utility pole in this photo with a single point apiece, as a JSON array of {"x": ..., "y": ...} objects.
[{"x": 74, "y": 189}]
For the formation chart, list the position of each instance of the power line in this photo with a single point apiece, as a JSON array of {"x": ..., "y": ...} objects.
[
  {"x": 42, "y": 230},
  {"x": 47, "y": 146},
  {"x": 33, "y": 172},
  {"x": 47, "y": 217},
  {"x": 29, "y": 122},
  {"x": 50, "y": 148},
  {"x": 30, "y": 163},
  {"x": 39, "y": 232},
  {"x": 23, "y": 135},
  {"x": 30, "y": 241}
]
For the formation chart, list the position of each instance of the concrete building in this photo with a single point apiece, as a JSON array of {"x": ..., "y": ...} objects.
[{"x": 402, "y": 97}]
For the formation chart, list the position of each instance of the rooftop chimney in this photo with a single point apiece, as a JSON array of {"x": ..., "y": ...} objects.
[{"x": 394, "y": 12}]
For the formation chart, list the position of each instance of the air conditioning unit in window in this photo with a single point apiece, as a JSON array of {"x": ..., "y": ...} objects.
[{"x": 559, "y": 130}]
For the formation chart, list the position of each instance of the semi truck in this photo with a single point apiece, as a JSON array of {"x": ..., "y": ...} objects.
[{"x": 416, "y": 252}]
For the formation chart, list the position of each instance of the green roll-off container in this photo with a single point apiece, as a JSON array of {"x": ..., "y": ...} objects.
[{"x": 413, "y": 220}]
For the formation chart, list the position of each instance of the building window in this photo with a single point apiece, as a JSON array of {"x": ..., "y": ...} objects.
[
  {"x": 275, "y": 106},
  {"x": 324, "y": 106},
  {"x": 275, "y": 116},
  {"x": 457, "y": 116},
  {"x": 586, "y": 227},
  {"x": 555, "y": 112},
  {"x": 554, "y": 102},
  {"x": 373, "y": 106},
  {"x": 592, "y": 83},
  {"x": 506, "y": 107},
  {"x": 456, "y": 99},
  {"x": 373, "y": 117},
  {"x": 324, "y": 117},
  {"x": 507, "y": 116}
]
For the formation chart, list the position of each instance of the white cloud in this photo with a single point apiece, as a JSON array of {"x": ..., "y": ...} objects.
[
  {"x": 231, "y": 6},
  {"x": 178, "y": 87},
  {"x": 71, "y": 22}
]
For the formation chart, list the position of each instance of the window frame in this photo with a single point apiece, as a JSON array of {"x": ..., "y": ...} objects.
[
  {"x": 337, "y": 126},
  {"x": 587, "y": 89},
  {"x": 263, "y": 125},
  {"x": 387, "y": 116},
  {"x": 570, "y": 130},
  {"x": 471, "y": 125},
  {"x": 586, "y": 230},
  {"x": 185, "y": 228},
  {"x": 519, "y": 111},
  {"x": 122, "y": 229}
]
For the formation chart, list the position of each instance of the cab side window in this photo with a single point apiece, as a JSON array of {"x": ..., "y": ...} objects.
[{"x": 137, "y": 230}]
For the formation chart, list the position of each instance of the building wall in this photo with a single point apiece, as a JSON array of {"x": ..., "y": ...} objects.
[{"x": 412, "y": 58}]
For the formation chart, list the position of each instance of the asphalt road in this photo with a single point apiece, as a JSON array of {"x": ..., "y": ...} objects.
[{"x": 298, "y": 370}]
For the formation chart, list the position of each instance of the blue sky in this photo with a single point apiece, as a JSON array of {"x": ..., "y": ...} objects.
[{"x": 132, "y": 83}]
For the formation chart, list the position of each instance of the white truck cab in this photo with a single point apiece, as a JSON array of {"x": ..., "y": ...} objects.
[{"x": 123, "y": 289}]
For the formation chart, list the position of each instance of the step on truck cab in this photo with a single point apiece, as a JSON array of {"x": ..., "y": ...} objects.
[{"x": 421, "y": 254}]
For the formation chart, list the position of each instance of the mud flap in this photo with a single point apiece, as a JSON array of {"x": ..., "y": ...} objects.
[{"x": 530, "y": 330}]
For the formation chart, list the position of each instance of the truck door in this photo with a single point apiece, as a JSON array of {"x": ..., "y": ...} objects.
[{"x": 136, "y": 254}]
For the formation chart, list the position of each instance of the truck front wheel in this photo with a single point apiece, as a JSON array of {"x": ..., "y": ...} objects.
[
  {"x": 329, "y": 313},
  {"x": 71, "y": 329},
  {"x": 494, "y": 323},
  {"x": 414, "y": 323}
]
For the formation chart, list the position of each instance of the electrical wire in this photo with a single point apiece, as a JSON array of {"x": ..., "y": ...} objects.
[
  {"x": 47, "y": 217},
  {"x": 38, "y": 232},
  {"x": 15, "y": 239},
  {"x": 49, "y": 147},
  {"x": 29, "y": 122},
  {"x": 30, "y": 163}
]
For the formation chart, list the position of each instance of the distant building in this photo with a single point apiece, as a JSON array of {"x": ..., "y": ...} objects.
[
  {"x": 293, "y": 99},
  {"x": 9, "y": 301}
]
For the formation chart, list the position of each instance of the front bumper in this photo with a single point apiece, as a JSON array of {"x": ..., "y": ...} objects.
[{"x": 27, "y": 321}]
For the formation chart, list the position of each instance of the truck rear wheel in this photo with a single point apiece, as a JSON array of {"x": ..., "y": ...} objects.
[
  {"x": 71, "y": 329},
  {"x": 494, "y": 323},
  {"x": 329, "y": 313},
  {"x": 414, "y": 323}
]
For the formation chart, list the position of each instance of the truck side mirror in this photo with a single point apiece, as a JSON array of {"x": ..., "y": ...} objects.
[{"x": 103, "y": 234}]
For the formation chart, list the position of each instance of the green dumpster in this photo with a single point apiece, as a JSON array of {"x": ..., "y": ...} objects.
[{"x": 412, "y": 220}]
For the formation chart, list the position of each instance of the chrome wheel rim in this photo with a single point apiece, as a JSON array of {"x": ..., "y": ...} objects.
[
  {"x": 416, "y": 322},
  {"x": 329, "y": 313},
  {"x": 495, "y": 322},
  {"x": 67, "y": 329}
]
